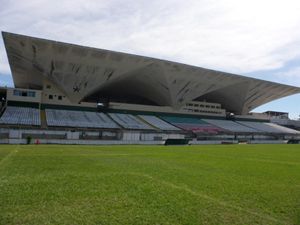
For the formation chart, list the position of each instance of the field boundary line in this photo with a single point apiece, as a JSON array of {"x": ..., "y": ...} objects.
[
  {"x": 205, "y": 196},
  {"x": 8, "y": 156}
]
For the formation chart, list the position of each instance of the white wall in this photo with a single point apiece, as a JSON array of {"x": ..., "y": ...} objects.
[
  {"x": 72, "y": 135},
  {"x": 81, "y": 142},
  {"x": 267, "y": 141},
  {"x": 15, "y": 134},
  {"x": 11, "y": 97},
  {"x": 131, "y": 136}
]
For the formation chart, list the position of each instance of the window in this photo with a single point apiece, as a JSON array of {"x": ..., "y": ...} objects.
[
  {"x": 48, "y": 86},
  {"x": 50, "y": 96},
  {"x": 24, "y": 93},
  {"x": 17, "y": 93},
  {"x": 59, "y": 97},
  {"x": 31, "y": 94}
]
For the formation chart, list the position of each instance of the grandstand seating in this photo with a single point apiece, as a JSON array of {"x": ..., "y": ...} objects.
[
  {"x": 159, "y": 123},
  {"x": 192, "y": 124},
  {"x": 21, "y": 116},
  {"x": 284, "y": 129},
  {"x": 129, "y": 121},
  {"x": 268, "y": 127},
  {"x": 231, "y": 126},
  {"x": 84, "y": 119},
  {"x": 70, "y": 118}
]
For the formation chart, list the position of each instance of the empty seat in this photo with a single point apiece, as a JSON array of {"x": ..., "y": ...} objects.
[
  {"x": 269, "y": 127},
  {"x": 195, "y": 125},
  {"x": 283, "y": 129},
  {"x": 21, "y": 116},
  {"x": 231, "y": 126},
  {"x": 71, "y": 118},
  {"x": 129, "y": 121},
  {"x": 159, "y": 123}
]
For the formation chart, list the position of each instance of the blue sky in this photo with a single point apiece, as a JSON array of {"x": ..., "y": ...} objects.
[{"x": 256, "y": 38}]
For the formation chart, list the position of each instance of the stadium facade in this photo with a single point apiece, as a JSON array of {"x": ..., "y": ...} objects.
[{"x": 130, "y": 96}]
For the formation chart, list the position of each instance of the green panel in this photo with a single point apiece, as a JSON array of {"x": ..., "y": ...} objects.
[
  {"x": 189, "y": 120},
  {"x": 252, "y": 120},
  {"x": 65, "y": 107},
  {"x": 23, "y": 104},
  {"x": 176, "y": 141}
]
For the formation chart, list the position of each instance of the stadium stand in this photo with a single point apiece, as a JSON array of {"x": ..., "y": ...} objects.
[
  {"x": 129, "y": 121},
  {"x": 159, "y": 123},
  {"x": 192, "y": 124},
  {"x": 284, "y": 129},
  {"x": 21, "y": 116},
  {"x": 268, "y": 127},
  {"x": 170, "y": 104},
  {"x": 70, "y": 118},
  {"x": 231, "y": 126}
]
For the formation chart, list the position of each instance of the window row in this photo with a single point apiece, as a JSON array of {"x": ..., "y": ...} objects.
[{"x": 24, "y": 93}]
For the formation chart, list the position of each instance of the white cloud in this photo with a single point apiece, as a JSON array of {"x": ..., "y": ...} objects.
[{"x": 231, "y": 35}]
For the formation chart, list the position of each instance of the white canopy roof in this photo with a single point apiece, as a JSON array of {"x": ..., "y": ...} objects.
[{"x": 82, "y": 71}]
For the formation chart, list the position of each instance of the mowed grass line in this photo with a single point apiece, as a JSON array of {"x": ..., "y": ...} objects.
[
  {"x": 232, "y": 184},
  {"x": 6, "y": 154}
]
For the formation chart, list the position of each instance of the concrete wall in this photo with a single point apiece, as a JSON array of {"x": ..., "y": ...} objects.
[
  {"x": 267, "y": 141},
  {"x": 11, "y": 97},
  {"x": 81, "y": 142},
  {"x": 131, "y": 136},
  {"x": 51, "y": 89},
  {"x": 132, "y": 142},
  {"x": 18, "y": 136},
  {"x": 72, "y": 135}
]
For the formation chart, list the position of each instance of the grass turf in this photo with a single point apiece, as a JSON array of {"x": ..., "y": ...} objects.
[{"x": 232, "y": 184}]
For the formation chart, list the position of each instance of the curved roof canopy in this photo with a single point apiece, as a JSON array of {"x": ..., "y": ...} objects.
[{"x": 82, "y": 71}]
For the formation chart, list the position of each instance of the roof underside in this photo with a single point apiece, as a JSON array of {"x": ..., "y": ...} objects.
[{"x": 82, "y": 71}]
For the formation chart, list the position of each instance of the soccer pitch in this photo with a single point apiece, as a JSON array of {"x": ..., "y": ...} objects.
[{"x": 224, "y": 184}]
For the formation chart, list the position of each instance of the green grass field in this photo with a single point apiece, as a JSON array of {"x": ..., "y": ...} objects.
[{"x": 229, "y": 184}]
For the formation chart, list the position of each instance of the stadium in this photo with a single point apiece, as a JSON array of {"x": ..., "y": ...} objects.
[
  {"x": 83, "y": 136},
  {"x": 70, "y": 94}
]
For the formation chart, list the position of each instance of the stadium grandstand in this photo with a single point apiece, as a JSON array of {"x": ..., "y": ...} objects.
[{"x": 70, "y": 94}]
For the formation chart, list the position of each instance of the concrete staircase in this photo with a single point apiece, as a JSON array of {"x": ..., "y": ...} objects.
[{"x": 43, "y": 119}]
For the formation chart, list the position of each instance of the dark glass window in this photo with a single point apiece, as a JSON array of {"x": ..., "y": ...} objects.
[
  {"x": 17, "y": 93},
  {"x": 31, "y": 93}
]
